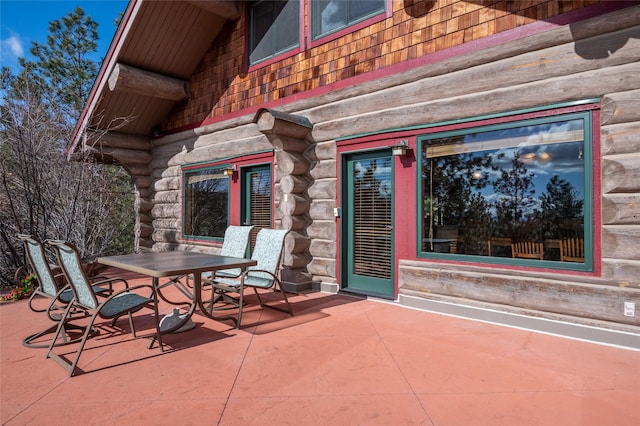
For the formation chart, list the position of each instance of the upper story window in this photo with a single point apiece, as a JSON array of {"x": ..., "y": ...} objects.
[
  {"x": 520, "y": 190},
  {"x": 206, "y": 203},
  {"x": 329, "y": 16},
  {"x": 274, "y": 28}
]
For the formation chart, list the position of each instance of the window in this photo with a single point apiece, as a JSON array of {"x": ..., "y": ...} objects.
[
  {"x": 513, "y": 190},
  {"x": 333, "y": 15},
  {"x": 206, "y": 202},
  {"x": 257, "y": 196},
  {"x": 273, "y": 29}
]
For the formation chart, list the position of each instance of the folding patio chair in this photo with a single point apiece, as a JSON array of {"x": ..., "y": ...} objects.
[
  {"x": 50, "y": 287},
  {"x": 119, "y": 303},
  {"x": 268, "y": 253}
]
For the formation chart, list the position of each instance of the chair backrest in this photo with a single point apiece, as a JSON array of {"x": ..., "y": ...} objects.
[
  {"x": 498, "y": 241},
  {"x": 236, "y": 240},
  {"x": 35, "y": 255},
  {"x": 572, "y": 250},
  {"x": 528, "y": 250},
  {"x": 267, "y": 252},
  {"x": 71, "y": 264}
]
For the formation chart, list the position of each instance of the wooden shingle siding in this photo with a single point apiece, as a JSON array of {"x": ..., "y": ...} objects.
[{"x": 222, "y": 85}]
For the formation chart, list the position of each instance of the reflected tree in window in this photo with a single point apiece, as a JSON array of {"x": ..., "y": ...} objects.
[
  {"x": 562, "y": 210},
  {"x": 516, "y": 203},
  {"x": 485, "y": 188},
  {"x": 206, "y": 203}
]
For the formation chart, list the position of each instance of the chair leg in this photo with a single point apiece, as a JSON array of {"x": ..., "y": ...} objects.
[
  {"x": 289, "y": 310},
  {"x": 70, "y": 367},
  {"x": 82, "y": 343},
  {"x": 59, "y": 328},
  {"x": 133, "y": 328},
  {"x": 28, "y": 341}
]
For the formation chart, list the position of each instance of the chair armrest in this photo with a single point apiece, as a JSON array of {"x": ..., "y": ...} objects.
[
  {"x": 129, "y": 290},
  {"x": 247, "y": 278},
  {"x": 110, "y": 282}
]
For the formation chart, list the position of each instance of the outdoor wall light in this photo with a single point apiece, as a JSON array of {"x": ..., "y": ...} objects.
[
  {"x": 229, "y": 171},
  {"x": 400, "y": 149}
]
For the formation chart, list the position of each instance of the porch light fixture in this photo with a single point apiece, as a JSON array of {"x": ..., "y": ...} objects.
[
  {"x": 230, "y": 170},
  {"x": 400, "y": 149}
]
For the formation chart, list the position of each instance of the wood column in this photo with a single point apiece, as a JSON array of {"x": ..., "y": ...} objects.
[{"x": 287, "y": 133}]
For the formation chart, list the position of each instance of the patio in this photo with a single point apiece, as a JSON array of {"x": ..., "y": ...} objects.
[{"x": 339, "y": 361}]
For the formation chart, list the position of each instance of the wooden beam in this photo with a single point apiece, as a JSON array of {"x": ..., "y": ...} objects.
[
  {"x": 225, "y": 9},
  {"x": 146, "y": 83},
  {"x": 118, "y": 140}
]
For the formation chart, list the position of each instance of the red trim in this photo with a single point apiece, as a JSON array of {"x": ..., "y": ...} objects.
[
  {"x": 368, "y": 140},
  {"x": 103, "y": 69},
  {"x": 596, "y": 166},
  {"x": 490, "y": 41}
]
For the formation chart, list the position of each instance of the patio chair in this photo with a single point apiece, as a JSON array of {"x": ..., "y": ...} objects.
[
  {"x": 235, "y": 243},
  {"x": 50, "y": 286},
  {"x": 572, "y": 250},
  {"x": 119, "y": 303},
  {"x": 268, "y": 253}
]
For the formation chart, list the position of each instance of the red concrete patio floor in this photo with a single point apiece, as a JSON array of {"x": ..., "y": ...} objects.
[{"x": 338, "y": 361}]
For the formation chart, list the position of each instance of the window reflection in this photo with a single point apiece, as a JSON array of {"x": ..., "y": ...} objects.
[
  {"x": 485, "y": 191},
  {"x": 333, "y": 15},
  {"x": 206, "y": 203},
  {"x": 273, "y": 28}
]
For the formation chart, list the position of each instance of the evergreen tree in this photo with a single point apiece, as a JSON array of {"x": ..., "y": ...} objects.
[
  {"x": 562, "y": 209},
  {"x": 63, "y": 64},
  {"x": 516, "y": 204}
]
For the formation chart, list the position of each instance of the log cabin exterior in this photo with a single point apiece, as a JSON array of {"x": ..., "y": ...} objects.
[{"x": 392, "y": 138}]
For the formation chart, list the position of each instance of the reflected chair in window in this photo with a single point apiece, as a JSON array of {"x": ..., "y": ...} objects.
[
  {"x": 50, "y": 287},
  {"x": 527, "y": 250},
  {"x": 119, "y": 303},
  {"x": 572, "y": 250},
  {"x": 498, "y": 242},
  {"x": 268, "y": 253}
]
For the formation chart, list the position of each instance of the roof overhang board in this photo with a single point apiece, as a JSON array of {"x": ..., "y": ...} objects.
[{"x": 157, "y": 48}]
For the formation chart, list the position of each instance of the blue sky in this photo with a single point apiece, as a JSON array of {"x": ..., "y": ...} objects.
[{"x": 24, "y": 21}]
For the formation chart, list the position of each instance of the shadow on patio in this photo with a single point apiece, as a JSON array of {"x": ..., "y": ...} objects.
[{"x": 339, "y": 361}]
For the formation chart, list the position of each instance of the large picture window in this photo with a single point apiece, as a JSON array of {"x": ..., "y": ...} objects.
[
  {"x": 333, "y": 15},
  {"x": 206, "y": 203},
  {"x": 519, "y": 190},
  {"x": 274, "y": 28}
]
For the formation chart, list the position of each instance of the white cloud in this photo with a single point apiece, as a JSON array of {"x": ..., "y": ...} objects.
[{"x": 12, "y": 46}]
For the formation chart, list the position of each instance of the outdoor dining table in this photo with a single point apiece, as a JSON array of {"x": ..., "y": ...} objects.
[{"x": 175, "y": 264}]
